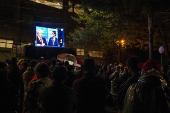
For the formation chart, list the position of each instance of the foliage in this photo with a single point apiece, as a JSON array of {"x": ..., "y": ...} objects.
[{"x": 104, "y": 29}]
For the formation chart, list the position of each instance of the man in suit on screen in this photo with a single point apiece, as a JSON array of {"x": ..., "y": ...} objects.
[{"x": 40, "y": 39}]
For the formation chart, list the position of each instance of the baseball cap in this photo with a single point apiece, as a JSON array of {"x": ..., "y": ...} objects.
[{"x": 148, "y": 65}]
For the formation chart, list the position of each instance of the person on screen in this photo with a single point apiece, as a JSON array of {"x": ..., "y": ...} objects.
[
  {"x": 40, "y": 39},
  {"x": 53, "y": 40},
  {"x": 60, "y": 40}
]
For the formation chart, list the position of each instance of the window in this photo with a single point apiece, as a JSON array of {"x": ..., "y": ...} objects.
[
  {"x": 95, "y": 54},
  {"x": 6, "y": 43},
  {"x": 2, "y": 42},
  {"x": 80, "y": 52},
  {"x": 53, "y": 3},
  {"x": 9, "y": 43}
]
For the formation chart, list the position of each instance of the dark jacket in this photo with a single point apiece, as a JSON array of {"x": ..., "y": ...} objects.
[
  {"x": 50, "y": 43},
  {"x": 14, "y": 76},
  {"x": 147, "y": 95},
  {"x": 8, "y": 96},
  {"x": 71, "y": 78},
  {"x": 91, "y": 93},
  {"x": 32, "y": 97},
  {"x": 44, "y": 41},
  {"x": 58, "y": 98},
  {"x": 22, "y": 70},
  {"x": 121, "y": 95},
  {"x": 27, "y": 76}
]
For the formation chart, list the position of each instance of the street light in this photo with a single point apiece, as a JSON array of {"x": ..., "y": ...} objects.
[{"x": 120, "y": 43}]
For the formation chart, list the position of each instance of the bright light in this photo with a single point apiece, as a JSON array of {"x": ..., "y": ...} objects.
[
  {"x": 122, "y": 41},
  {"x": 58, "y": 3}
]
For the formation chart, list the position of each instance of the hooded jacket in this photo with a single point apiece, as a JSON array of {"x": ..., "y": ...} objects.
[{"x": 147, "y": 95}]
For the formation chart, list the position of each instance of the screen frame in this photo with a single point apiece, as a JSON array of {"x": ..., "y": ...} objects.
[{"x": 59, "y": 32}]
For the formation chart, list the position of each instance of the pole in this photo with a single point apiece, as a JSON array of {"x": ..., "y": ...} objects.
[
  {"x": 119, "y": 53},
  {"x": 150, "y": 27}
]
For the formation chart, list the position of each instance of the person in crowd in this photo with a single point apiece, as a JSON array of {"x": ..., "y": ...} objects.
[
  {"x": 100, "y": 74},
  {"x": 53, "y": 64},
  {"x": 115, "y": 75},
  {"x": 91, "y": 90},
  {"x": 121, "y": 80},
  {"x": 8, "y": 95},
  {"x": 24, "y": 68},
  {"x": 108, "y": 81},
  {"x": 66, "y": 63},
  {"x": 71, "y": 76},
  {"x": 40, "y": 39},
  {"x": 60, "y": 63},
  {"x": 104, "y": 68},
  {"x": 8, "y": 61},
  {"x": 28, "y": 75},
  {"x": 121, "y": 67},
  {"x": 53, "y": 41},
  {"x": 31, "y": 102},
  {"x": 114, "y": 78},
  {"x": 81, "y": 72},
  {"x": 131, "y": 63},
  {"x": 48, "y": 62},
  {"x": 147, "y": 95},
  {"x": 21, "y": 71},
  {"x": 58, "y": 98},
  {"x": 13, "y": 75}
]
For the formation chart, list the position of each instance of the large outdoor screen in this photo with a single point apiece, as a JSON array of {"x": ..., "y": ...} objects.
[{"x": 49, "y": 37}]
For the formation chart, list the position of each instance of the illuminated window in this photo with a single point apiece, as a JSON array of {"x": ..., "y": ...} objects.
[
  {"x": 53, "y": 3},
  {"x": 80, "y": 52},
  {"x": 95, "y": 54},
  {"x": 2, "y": 42},
  {"x": 9, "y": 43},
  {"x": 6, "y": 43}
]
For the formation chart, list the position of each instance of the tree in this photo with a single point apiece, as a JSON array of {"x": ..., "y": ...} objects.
[
  {"x": 104, "y": 29},
  {"x": 148, "y": 8}
]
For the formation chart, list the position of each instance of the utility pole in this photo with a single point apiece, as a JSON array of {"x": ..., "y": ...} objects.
[{"x": 150, "y": 28}]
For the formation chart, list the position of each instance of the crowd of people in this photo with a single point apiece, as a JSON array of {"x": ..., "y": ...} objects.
[{"x": 57, "y": 87}]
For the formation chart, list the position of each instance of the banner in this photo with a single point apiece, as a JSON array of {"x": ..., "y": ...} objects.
[{"x": 14, "y": 48}]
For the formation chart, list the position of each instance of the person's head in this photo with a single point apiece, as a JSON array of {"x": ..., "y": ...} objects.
[
  {"x": 39, "y": 33},
  {"x": 7, "y": 61},
  {"x": 66, "y": 63},
  {"x": 53, "y": 33},
  {"x": 33, "y": 63},
  {"x": 89, "y": 65},
  {"x": 4, "y": 69},
  {"x": 60, "y": 63},
  {"x": 14, "y": 60},
  {"x": 70, "y": 68},
  {"x": 42, "y": 70},
  {"x": 120, "y": 64},
  {"x": 109, "y": 67},
  {"x": 149, "y": 65},
  {"x": 53, "y": 61},
  {"x": 104, "y": 67},
  {"x": 25, "y": 64},
  {"x": 132, "y": 63},
  {"x": 59, "y": 74},
  {"x": 117, "y": 68}
]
